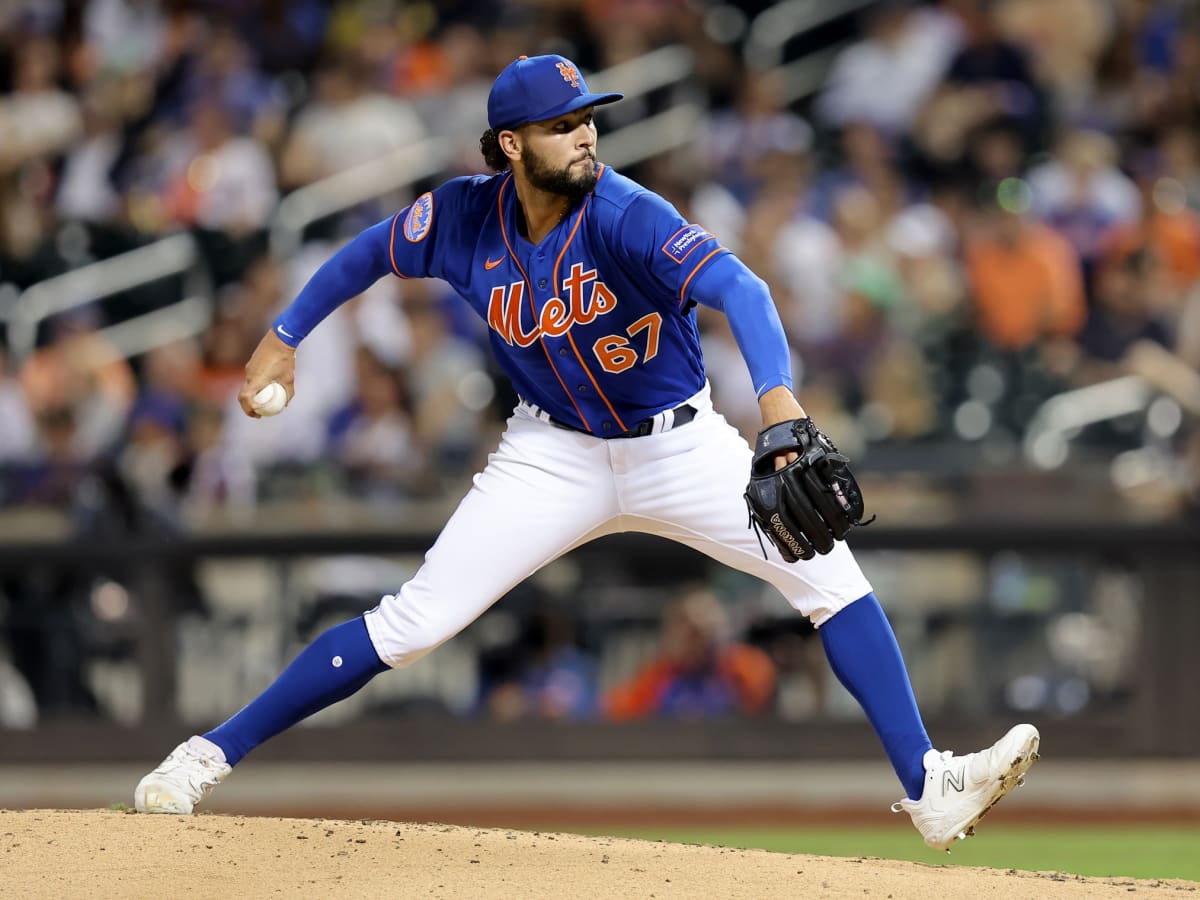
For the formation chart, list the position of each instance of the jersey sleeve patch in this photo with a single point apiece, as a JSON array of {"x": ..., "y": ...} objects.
[
  {"x": 419, "y": 219},
  {"x": 682, "y": 243}
]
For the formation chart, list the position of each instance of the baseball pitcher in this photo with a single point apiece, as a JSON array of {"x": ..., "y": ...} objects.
[{"x": 588, "y": 283}]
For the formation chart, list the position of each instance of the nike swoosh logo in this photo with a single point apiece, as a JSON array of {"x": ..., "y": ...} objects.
[{"x": 492, "y": 263}]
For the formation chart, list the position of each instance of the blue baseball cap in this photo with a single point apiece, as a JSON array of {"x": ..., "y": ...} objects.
[{"x": 536, "y": 88}]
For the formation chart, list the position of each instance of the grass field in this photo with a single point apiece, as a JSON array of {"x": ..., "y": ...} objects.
[{"x": 1139, "y": 852}]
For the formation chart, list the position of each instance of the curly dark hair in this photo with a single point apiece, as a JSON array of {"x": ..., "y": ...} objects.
[{"x": 489, "y": 146}]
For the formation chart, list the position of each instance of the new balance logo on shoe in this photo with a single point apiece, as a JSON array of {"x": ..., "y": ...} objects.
[{"x": 956, "y": 780}]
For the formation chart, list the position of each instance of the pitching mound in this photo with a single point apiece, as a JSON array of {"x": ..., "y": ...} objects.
[{"x": 67, "y": 854}]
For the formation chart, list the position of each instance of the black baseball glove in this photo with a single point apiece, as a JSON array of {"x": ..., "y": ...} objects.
[{"x": 808, "y": 504}]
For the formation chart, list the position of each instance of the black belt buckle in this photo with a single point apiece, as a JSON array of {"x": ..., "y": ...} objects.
[{"x": 683, "y": 414}]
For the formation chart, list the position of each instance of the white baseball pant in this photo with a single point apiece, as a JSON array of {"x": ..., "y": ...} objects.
[{"x": 547, "y": 489}]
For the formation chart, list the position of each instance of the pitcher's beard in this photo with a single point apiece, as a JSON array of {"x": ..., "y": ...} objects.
[{"x": 565, "y": 182}]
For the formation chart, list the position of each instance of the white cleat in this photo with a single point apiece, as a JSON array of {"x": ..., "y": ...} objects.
[
  {"x": 183, "y": 779},
  {"x": 959, "y": 790}
]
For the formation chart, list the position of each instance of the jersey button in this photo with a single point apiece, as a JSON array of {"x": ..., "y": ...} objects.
[
  {"x": 562, "y": 351},
  {"x": 582, "y": 388},
  {"x": 607, "y": 426},
  {"x": 541, "y": 282}
]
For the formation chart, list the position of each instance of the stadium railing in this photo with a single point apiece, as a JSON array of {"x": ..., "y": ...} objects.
[
  {"x": 179, "y": 254},
  {"x": 774, "y": 27},
  {"x": 1063, "y": 416}
]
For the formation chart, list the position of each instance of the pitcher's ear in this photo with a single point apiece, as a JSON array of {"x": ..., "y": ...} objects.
[{"x": 510, "y": 143}]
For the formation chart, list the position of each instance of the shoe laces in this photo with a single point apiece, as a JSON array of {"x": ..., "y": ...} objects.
[
  {"x": 945, "y": 755},
  {"x": 191, "y": 759},
  {"x": 207, "y": 763}
]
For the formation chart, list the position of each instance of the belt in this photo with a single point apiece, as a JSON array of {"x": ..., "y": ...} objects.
[{"x": 655, "y": 424}]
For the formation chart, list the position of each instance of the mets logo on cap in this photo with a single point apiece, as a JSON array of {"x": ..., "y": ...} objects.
[
  {"x": 419, "y": 218},
  {"x": 569, "y": 73}
]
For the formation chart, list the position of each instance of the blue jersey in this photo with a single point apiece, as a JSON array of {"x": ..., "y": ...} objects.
[{"x": 594, "y": 323}]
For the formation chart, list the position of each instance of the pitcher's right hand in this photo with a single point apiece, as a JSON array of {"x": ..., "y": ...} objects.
[{"x": 272, "y": 360}]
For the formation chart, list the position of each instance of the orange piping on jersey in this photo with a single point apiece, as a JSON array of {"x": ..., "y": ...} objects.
[
  {"x": 570, "y": 337},
  {"x": 588, "y": 372},
  {"x": 392, "y": 245},
  {"x": 688, "y": 280},
  {"x": 529, "y": 286}
]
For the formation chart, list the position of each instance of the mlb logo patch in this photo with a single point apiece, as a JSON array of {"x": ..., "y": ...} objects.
[{"x": 680, "y": 245}]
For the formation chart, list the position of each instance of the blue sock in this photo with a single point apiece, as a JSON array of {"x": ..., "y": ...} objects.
[
  {"x": 339, "y": 662},
  {"x": 865, "y": 657}
]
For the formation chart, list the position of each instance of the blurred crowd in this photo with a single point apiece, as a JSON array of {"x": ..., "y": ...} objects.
[
  {"x": 985, "y": 203},
  {"x": 694, "y": 665},
  {"x": 982, "y": 204}
]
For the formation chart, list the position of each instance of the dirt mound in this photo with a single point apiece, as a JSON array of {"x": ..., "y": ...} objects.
[{"x": 67, "y": 854}]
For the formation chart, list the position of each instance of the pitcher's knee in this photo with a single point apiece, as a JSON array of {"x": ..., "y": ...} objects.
[
  {"x": 401, "y": 633},
  {"x": 830, "y": 606}
]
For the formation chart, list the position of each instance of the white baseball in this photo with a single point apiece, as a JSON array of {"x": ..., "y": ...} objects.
[{"x": 270, "y": 400}]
